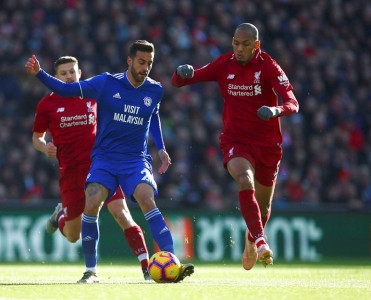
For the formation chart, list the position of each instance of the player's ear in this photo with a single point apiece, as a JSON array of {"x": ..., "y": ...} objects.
[
  {"x": 257, "y": 44},
  {"x": 129, "y": 60},
  {"x": 79, "y": 74}
]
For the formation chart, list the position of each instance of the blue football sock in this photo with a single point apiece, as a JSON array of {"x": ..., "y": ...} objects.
[
  {"x": 159, "y": 230},
  {"x": 90, "y": 238}
]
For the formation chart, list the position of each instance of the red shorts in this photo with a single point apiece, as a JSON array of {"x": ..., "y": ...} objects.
[
  {"x": 71, "y": 184},
  {"x": 265, "y": 160}
]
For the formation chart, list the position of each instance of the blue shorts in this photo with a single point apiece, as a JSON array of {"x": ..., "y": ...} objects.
[{"x": 127, "y": 175}]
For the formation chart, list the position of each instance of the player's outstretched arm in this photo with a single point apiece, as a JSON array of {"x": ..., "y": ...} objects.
[{"x": 63, "y": 89}]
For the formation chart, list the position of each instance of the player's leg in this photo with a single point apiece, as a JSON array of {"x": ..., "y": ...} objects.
[
  {"x": 72, "y": 229},
  {"x": 95, "y": 195},
  {"x": 264, "y": 195},
  {"x": 266, "y": 170},
  {"x": 133, "y": 233},
  {"x": 144, "y": 195},
  {"x": 142, "y": 188},
  {"x": 67, "y": 215},
  {"x": 73, "y": 200},
  {"x": 242, "y": 172},
  {"x": 160, "y": 232}
]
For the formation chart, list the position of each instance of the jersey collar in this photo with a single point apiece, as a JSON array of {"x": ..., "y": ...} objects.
[
  {"x": 254, "y": 60},
  {"x": 127, "y": 79}
]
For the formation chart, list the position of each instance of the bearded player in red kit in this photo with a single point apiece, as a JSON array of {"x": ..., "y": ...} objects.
[
  {"x": 251, "y": 140},
  {"x": 72, "y": 126}
]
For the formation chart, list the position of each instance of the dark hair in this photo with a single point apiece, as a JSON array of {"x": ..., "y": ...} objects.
[
  {"x": 64, "y": 60},
  {"x": 140, "y": 45},
  {"x": 249, "y": 27}
]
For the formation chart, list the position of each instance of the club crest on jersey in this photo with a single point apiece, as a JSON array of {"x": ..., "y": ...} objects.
[
  {"x": 88, "y": 105},
  {"x": 257, "y": 77},
  {"x": 147, "y": 101}
]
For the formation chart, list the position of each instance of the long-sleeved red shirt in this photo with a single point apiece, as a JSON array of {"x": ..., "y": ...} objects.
[{"x": 245, "y": 89}]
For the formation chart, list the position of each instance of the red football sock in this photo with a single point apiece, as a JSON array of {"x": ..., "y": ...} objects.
[
  {"x": 134, "y": 236},
  {"x": 264, "y": 222},
  {"x": 260, "y": 241},
  {"x": 251, "y": 213},
  {"x": 61, "y": 221}
]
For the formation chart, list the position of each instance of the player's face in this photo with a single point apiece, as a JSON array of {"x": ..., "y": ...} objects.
[
  {"x": 244, "y": 46},
  {"x": 140, "y": 66},
  {"x": 68, "y": 72}
]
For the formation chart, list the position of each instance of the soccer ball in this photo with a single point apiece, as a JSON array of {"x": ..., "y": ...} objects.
[{"x": 164, "y": 267}]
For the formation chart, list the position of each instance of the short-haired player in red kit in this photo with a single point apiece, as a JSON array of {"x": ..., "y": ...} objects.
[
  {"x": 72, "y": 126},
  {"x": 251, "y": 140}
]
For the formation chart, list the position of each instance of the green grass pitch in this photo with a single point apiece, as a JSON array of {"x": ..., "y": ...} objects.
[{"x": 212, "y": 282}]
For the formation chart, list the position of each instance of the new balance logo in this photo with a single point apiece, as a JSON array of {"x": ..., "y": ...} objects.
[
  {"x": 230, "y": 76},
  {"x": 231, "y": 152},
  {"x": 117, "y": 96},
  {"x": 60, "y": 109}
]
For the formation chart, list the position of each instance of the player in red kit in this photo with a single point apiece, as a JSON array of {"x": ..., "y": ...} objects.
[
  {"x": 72, "y": 126},
  {"x": 251, "y": 140}
]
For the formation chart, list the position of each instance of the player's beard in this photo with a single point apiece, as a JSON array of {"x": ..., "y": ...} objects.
[{"x": 138, "y": 77}]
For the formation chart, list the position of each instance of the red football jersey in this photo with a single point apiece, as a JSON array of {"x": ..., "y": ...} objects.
[
  {"x": 245, "y": 89},
  {"x": 71, "y": 123}
]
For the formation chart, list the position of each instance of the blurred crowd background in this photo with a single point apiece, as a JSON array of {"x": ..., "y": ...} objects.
[{"x": 324, "y": 46}]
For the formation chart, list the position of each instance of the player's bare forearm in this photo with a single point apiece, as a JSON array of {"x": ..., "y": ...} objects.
[{"x": 39, "y": 143}]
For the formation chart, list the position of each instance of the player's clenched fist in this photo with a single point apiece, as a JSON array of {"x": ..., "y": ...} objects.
[
  {"x": 32, "y": 66},
  {"x": 185, "y": 71},
  {"x": 266, "y": 112}
]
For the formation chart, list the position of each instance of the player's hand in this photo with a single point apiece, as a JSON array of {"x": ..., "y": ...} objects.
[
  {"x": 51, "y": 150},
  {"x": 33, "y": 66},
  {"x": 266, "y": 112},
  {"x": 185, "y": 71},
  {"x": 165, "y": 161}
]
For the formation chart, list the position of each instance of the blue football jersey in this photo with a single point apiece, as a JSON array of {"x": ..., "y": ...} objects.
[{"x": 124, "y": 114}]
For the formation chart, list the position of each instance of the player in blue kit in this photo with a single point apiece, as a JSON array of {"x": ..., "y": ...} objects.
[{"x": 128, "y": 109}]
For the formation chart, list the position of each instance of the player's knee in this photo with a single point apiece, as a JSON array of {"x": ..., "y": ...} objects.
[{"x": 245, "y": 182}]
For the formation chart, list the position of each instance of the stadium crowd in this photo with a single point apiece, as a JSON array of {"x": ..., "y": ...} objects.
[{"x": 323, "y": 46}]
